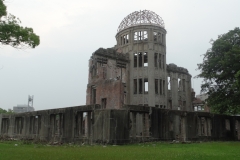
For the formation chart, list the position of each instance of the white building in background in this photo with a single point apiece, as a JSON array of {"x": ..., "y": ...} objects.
[
  {"x": 20, "y": 108},
  {"x": 202, "y": 97}
]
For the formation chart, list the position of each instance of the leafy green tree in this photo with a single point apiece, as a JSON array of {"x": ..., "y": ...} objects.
[
  {"x": 9, "y": 111},
  {"x": 11, "y": 33},
  {"x": 220, "y": 71},
  {"x": 2, "y": 111}
]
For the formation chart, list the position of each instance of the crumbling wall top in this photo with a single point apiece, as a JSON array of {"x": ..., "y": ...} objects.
[
  {"x": 111, "y": 53},
  {"x": 174, "y": 68}
]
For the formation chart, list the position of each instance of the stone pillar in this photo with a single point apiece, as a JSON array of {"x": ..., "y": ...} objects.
[
  {"x": 238, "y": 129},
  {"x": 209, "y": 126},
  {"x": 133, "y": 125}
]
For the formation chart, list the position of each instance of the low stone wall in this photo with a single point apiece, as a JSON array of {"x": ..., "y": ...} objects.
[{"x": 92, "y": 124}]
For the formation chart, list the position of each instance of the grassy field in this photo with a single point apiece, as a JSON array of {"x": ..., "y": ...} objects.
[{"x": 158, "y": 150}]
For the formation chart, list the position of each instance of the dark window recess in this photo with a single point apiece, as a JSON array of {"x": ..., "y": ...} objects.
[
  {"x": 163, "y": 62},
  {"x": 161, "y": 87},
  {"x": 161, "y": 106},
  {"x": 121, "y": 40},
  {"x": 157, "y": 106},
  {"x": 184, "y": 103},
  {"x": 170, "y": 104},
  {"x": 135, "y": 86},
  {"x": 140, "y": 86},
  {"x": 156, "y": 86},
  {"x": 101, "y": 61},
  {"x": 155, "y": 59},
  {"x": 140, "y": 59},
  {"x": 140, "y": 36},
  {"x": 160, "y": 61},
  {"x": 145, "y": 59},
  {"x": 121, "y": 64},
  {"x": 104, "y": 102},
  {"x": 5, "y": 125},
  {"x": 135, "y": 59},
  {"x": 18, "y": 125}
]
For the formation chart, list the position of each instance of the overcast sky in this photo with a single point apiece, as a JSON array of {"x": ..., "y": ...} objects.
[{"x": 56, "y": 71}]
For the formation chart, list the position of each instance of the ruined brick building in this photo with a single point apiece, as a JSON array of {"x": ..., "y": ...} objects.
[
  {"x": 132, "y": 96},
  {"x": 134, "y": 71}
]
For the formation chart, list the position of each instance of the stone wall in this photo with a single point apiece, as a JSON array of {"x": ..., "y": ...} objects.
[{"x": 92, "y": 124}]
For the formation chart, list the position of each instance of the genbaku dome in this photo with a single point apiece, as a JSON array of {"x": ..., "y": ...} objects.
[
  {"x": 132, "y": 95},
  {"x": 134, "y": 72}
]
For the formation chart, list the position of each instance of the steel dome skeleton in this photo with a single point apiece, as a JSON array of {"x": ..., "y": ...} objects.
[{"x": 144, "y": 17}]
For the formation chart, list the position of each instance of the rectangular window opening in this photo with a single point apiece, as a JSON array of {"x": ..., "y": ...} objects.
[
  {"x": 163, "y": 62},
  {"x": 84, "y": 130},
  {"x": 145, "y": 85},
  {"x": 160, "y": 61},
  {"x": 135, "y": 59},
  {"x": 140, "y": 59},
  {"x": 145, "y": 59},
  {"x": 159, "y": 37},
  {"x": 156, "y": 86},
  {"x": 161, "y": 87},
  {"x": 104, "y": 102},
  {"x": 170, "y": 104},
  {"x": 183, "y": 85},
  {"x": 145, "y": 35},
  {"x": 155, "y": 36},
  {"x": 169, "y": 83},
  {"x": 135, "y": 36},
  {"x": 127, "y": 38},
  {"x": 179, "y": 84},
  {"x": 155, "y": 59},
  {"x": 135, "y": 86},
  {"x": 184, "y": 104},
  {"x": 140, "y": 86},
  {"x": 124, "y": 39}
]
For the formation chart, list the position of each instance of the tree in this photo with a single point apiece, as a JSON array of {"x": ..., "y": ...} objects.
[
  {"x": 2, "y": 111},
  {"x": 10, "y": 111},
  {"x": 11, "y": 33},
  {"x": 220, "y": 71}
]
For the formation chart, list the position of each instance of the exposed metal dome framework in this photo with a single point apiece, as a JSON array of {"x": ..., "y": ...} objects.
[{"x": 144, "y": 17}]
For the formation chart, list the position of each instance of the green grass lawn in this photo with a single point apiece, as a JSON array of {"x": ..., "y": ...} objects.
[{"x": 158, "y": 150}]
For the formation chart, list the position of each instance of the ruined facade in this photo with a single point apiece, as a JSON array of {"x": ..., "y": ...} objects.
[
  {"x": 134, "y": 71},
  {"x": 132, "y": 96}
]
